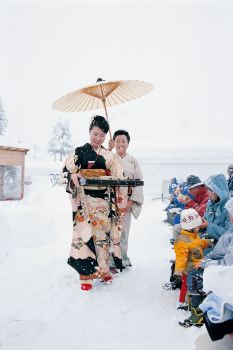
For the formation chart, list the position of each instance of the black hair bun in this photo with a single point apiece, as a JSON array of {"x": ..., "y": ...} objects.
[{"x": 100, "y": 122}]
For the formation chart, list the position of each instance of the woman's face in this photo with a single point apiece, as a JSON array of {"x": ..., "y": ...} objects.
[
  {"x": 97, "y": 137},
  {"x": 121, "y": 144}
]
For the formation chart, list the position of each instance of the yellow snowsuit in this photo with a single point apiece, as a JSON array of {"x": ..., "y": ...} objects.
[{"x": 189, "y": 249}]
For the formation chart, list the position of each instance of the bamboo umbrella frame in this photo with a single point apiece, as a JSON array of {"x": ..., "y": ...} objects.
[{"x": 102, "y": 95}]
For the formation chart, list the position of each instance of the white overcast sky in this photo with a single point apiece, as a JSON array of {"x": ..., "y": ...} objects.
[{"x": 184, "y": 47}]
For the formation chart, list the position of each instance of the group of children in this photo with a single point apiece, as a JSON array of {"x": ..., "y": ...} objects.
[{"x": 202, "y": 236}]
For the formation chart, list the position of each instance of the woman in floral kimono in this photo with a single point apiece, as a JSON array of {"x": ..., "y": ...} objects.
[{"x": 97, "y": 211}]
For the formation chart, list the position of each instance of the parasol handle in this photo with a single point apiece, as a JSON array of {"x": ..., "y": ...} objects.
[{"x": 106, "y": 113}]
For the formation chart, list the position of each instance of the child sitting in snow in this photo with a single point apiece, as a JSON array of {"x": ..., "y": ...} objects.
[
  {"x": 188, "y": 248},
  {"x": 222, "y": 254}
]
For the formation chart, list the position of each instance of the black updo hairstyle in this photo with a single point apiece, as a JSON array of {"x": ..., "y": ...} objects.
[
  {"x": 121, "y": 132},
  {"x": 100, "y": 122}
]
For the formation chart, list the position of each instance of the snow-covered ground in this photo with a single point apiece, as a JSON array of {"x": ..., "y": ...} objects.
[{"x": 42, "y": 306}]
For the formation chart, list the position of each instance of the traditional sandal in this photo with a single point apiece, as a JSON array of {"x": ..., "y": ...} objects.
[
  {"x": 107, "y": 279},
  {"x": 93, "y": 276}
]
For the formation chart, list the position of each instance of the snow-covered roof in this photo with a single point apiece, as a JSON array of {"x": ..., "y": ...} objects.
[
  {"x": 19, "y": 149},
  {"x": 11, "y": 144}
]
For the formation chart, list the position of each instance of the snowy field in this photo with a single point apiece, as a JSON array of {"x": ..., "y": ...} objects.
[{"x": 42, "y": 306}]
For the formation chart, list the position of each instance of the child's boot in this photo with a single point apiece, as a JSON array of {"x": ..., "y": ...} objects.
[{"x": 196, "y": 318}]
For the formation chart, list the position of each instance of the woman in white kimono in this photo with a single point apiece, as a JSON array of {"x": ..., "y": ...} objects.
[
  {"x": 97, "y": 213},
  {"x": 131, "y": 170}
]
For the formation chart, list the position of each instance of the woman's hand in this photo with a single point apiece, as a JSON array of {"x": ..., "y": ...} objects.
[
  {"x": 204, "y": 223},
  {"x": 74, "y": 178}
]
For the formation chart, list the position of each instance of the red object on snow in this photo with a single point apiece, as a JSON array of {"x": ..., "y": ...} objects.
[
  {"x": 107, "y": 279},
  {"x": 86, "y": 286}
]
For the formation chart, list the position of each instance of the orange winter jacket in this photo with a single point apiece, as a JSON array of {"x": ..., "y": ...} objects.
[{"x": 188, "y": 248}]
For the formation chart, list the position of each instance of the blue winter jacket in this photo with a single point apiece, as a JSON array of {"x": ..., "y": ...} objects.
[
  {"x": 216, "y": 213},
  {"x": 222, "y": 254}
]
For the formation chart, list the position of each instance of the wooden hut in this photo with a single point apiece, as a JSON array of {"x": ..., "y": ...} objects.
[{"x": 12, "y": 160}]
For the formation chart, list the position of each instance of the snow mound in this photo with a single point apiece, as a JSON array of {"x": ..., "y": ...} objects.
[
  {"x": 32, "y": 230},
  {"x": 5, "y": 236}
]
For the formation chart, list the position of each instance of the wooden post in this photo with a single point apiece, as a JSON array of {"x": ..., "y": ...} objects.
[{"x": 1, "y": 182}]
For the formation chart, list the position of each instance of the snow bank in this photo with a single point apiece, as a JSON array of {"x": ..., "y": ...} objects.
[
  {"x": 32, "y": 221},
  {"x": 32, "y": 230},
  {"x": 5, "y": 236}
]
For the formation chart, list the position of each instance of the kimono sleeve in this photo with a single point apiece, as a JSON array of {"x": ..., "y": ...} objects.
[
  {"x": 121, "y": 192},
  {"x": 71, "y": 166},
  {"x": 137, "y": 192},
  {"x": 116, "y": 168}
]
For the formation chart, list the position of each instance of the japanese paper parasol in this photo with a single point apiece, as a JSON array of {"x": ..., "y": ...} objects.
[{"x": 102, "y": 95}]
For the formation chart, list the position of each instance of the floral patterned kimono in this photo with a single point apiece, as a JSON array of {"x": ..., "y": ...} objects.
[{"x": 98, "y": 213}]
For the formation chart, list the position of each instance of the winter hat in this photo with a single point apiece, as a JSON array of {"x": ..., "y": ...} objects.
[
  {"x": 190, "y": 219},
  {"x": 193, "y": 181},
  {"x": 229, "y": 206}
]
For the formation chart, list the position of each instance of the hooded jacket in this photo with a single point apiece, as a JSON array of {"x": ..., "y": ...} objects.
[
  {"x": 222, "y": 254},
  {"x": 230, "y": 184},
  {"x": 172, "y": 185},
  {"x": 216, "y": 213},
  {"x": 189, "y": 249}
]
